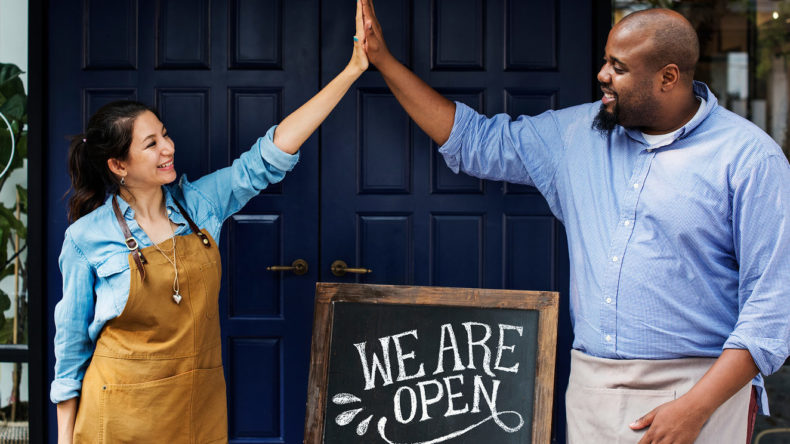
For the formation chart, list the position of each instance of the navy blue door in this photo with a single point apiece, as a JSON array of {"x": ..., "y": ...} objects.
[
  {"x": 389, "y": 203},
  {"x": 221, "y": 73},
  {"x": 369, "y": 190}
]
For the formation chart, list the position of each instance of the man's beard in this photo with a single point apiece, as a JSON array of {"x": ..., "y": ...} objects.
[{"x": 606, "y": 121}]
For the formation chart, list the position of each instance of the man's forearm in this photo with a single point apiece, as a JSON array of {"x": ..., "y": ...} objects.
[
  {"x": 432, "y": 112},
  {"x": 731, "y": 371}
]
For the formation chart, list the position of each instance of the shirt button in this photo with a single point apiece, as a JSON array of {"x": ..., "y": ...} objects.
[
  {"x": 608, "y": 338},
  {"x": 627, "y": 223},
  {"x": 614, "y": 259},
  {"x": 169, "y": 211},
  {"x": 608, "y": 300},
  {"x": 636, "y": 185}
]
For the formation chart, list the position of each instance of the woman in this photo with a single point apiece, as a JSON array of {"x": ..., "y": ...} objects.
[{"x": 141, "y": 273}]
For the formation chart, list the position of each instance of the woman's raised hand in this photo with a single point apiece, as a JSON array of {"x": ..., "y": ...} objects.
[{"x": 359, "y": 60}]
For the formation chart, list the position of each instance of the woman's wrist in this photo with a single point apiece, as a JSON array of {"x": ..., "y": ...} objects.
[{"x": 352, "y": 71}]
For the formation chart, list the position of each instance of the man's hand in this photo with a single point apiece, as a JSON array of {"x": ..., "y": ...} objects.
[
  {"x": 681, "y": 420},
  {"x": 374, "y": 44},
  {"x": 675, "y": 422}
]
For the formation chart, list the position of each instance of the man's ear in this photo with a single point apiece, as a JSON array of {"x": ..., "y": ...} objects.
[
  {"x": 117, "y": 167},
  {"x": 670, "y": 76}
]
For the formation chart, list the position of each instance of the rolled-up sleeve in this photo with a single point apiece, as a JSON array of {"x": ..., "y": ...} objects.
[
  {"x": 761, "y": 227},
  {"x": 526, "y": 150},
  {"x": 73, "y": 315},
  {"x": 229, "y": 189}
]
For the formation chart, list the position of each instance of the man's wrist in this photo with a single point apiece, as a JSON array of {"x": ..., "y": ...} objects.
[
  {"x": 697, "y": 405},
  {"x": 385, "y": 61}
]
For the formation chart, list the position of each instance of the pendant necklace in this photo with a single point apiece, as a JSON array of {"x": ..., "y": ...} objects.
[{"x": 176, "y": 295}]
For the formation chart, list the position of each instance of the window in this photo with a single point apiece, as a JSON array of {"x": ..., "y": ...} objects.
[
  {"x": 744, "y": 55},
  {"x": 13, "y": 222}
]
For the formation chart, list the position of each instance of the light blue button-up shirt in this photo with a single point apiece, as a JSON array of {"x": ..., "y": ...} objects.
[
  {"x": 94, "y": 259},
  {"x": 676, "y": 251}
]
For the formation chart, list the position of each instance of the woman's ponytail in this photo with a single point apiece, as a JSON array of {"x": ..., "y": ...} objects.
[{"x": 87, "y": 186}]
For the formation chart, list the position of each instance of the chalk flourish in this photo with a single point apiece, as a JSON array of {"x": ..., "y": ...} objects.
[{"x": 494, "y": 416}]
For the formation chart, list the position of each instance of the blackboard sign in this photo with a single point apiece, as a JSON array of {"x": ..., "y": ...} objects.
[{"x": 424, "y": 365}]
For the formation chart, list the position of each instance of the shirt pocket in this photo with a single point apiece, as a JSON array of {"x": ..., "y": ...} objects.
[{"x": 112, "y": 288}]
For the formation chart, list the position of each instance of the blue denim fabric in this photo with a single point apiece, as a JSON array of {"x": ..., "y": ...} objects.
[
  {"x": 94, "y": 259},
  {"x": 675, "y": 251}
]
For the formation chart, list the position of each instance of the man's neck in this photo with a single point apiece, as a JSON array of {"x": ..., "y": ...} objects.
[{"x": 676, "y": 116}]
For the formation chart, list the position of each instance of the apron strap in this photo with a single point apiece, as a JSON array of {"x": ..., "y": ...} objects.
[
  {"x": 193, "y": 225},
  {"x": 131, "y": 242}
]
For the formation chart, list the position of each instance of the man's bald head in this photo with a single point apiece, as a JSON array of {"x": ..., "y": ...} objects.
[{"x": 674, "y": 39}]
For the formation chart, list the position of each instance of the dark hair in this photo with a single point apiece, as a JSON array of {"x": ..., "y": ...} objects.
[
  {"x": 674, "y": 38},
  {"x": 108, "y": 136}
]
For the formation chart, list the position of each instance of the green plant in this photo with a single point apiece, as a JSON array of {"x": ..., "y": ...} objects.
[{"x": 13, "y": 231}]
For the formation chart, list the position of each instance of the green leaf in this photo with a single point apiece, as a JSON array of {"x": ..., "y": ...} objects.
[
  {"x": 8, "y": 71},
  {"x": 6, "y": 336},
  {"x": 21, "y": 145},
  {"x": 14, "y": 108},
  {"x": 6, "y": 332},
  {"x": 5, "y": 301},
  {"x": 7, "y": 271},
  {"x": 13, "y": 87},
  {"x": 8, "y": 217},
  {"x": 22, "y": 193}
]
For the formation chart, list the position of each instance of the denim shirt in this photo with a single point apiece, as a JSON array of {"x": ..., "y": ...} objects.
[
  {"x": 94, "y": 259},
  {"x": 676, "y": 250}
]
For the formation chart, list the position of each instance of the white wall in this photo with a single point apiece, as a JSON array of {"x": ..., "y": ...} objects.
[{"x": 13, "y": 49}]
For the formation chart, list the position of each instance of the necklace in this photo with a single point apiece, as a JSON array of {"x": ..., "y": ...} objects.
[{"x": 176, "y": 295}]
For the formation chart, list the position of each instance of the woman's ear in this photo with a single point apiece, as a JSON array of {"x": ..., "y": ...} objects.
[{"x": 117, "y": 167}]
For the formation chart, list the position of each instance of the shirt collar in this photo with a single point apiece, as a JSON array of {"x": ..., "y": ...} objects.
[{"x": 700, "y": 90}]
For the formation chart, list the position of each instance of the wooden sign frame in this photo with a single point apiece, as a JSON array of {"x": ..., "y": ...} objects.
[{"x": 545, "y": 302}]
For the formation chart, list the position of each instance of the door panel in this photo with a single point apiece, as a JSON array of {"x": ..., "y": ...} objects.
[{"x": 389, "y": 203}]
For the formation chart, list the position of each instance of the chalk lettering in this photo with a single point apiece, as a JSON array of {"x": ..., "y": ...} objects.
[
  {"x": 425, "y": 402},
  {"x": 481, "y": 343},
  {"x": 447, "y": 332},
  {"x": 451, "y": 410},
  {"x": 511, "y": 348},
  {"x": 375, "y": 366},
  {"x": 397, "y": 405},
  {"x": 402, "y": 376},
  {"x": 490, "y": 398}
]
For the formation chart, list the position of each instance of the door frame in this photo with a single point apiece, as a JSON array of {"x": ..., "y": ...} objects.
[{"x": 38, "y": 331}]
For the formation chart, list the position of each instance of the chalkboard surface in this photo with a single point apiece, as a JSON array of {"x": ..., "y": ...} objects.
[{"x": 408, "y": 365}]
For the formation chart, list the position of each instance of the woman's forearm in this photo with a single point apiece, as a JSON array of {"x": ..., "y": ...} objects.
[
  {"x": 67, "y": 415},
  {"x": 300, "y": 124}
]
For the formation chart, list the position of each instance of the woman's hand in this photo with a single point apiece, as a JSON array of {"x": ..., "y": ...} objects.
[
  {"x": 359, "y": 60},
  {"x": 297, "y": 127}
]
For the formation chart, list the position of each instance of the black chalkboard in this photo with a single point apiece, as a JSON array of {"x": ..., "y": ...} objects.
[{"x": 408, "y": 365}]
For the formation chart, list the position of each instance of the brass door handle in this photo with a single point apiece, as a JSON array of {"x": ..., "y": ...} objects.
[
  {"x": 298, "y": 267},
  {"x": 339, "y": 268}
]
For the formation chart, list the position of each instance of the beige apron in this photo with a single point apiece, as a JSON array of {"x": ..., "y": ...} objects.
[
  {"x": 605, "y": 395},
  {"x": 156, "y": 374}
]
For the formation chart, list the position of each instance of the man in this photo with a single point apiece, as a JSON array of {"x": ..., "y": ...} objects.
[{"x": 676, "y": 212}]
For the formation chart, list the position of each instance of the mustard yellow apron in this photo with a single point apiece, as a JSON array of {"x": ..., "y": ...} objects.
[{"x": 156, "y": 374}]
